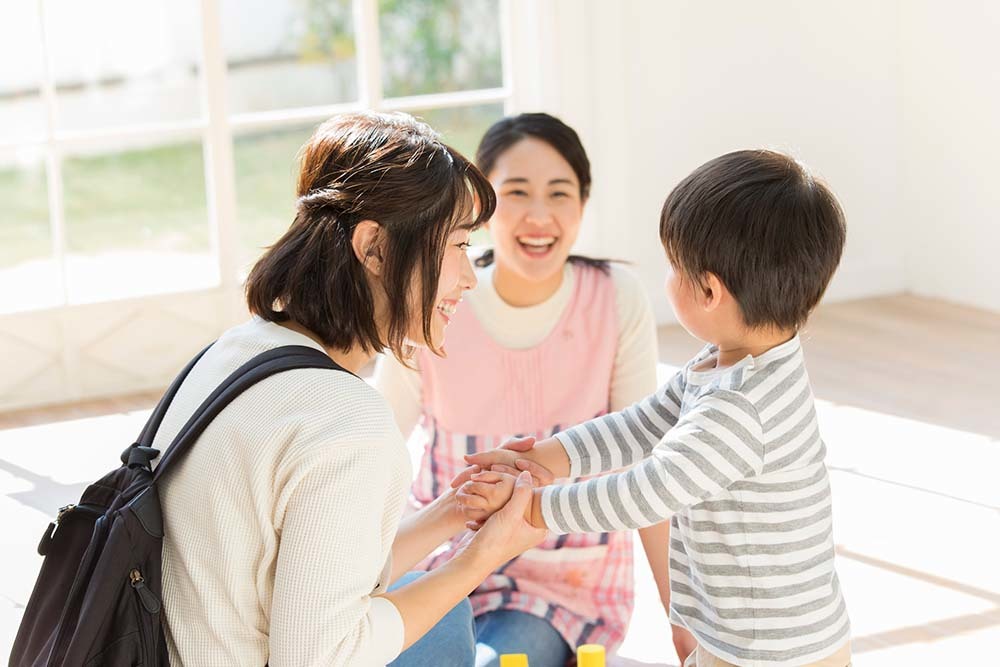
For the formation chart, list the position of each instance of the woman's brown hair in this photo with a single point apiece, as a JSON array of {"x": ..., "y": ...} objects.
[{"x": 394, "y": 170}]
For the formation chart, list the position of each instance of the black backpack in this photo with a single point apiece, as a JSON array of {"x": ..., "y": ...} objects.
[{"x": 97, "y": 600}]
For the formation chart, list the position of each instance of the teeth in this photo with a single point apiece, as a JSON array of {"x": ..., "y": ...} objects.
[
  {"x": 537, "y": 241},
  {"x": 448, "y": 309}
]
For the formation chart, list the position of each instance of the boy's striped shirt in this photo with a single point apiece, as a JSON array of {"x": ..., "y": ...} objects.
[{"x": 735, "y": 459}]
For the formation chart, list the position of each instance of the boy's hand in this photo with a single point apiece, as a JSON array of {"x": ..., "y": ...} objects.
[
  {"x": 507, "y": 459},
  {"x": 507, "y": 533},
  {"x": 484, "y": 494}
]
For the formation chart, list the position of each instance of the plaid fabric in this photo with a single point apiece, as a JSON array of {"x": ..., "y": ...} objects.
[{"x": 582, "y": 584}]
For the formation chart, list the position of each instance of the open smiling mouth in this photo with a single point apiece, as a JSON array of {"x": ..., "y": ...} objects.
[
  {"x": 537, "y": 246},
  {"x": 447, "y": 310}
]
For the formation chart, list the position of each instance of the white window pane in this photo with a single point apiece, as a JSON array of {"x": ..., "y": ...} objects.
[
  {"x": 266, "y": 171},
  {"x": 29, "y": 277},
  {"x": 137, "y": 222},
  {"x": 462, "y": 127},
  {"x": 124, "y": 62},
  {"x": 438, "y": 46},
  {"x": 285, "y": 54},
  {"x": 22, "y": 115}
]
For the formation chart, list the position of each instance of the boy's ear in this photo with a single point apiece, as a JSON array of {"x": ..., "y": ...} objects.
[
  {"x": 712, "y": 291},
  {"x": 366, "y": 241}
]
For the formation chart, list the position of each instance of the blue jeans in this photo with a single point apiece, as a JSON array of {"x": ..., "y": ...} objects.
[
  {"x": 450, "y": 643},
  {"x": 458, "y": 640},
  {"x": 500, "y": 632}
]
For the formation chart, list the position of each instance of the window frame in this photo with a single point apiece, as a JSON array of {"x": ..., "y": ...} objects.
[{"x": 217, "y": 130}]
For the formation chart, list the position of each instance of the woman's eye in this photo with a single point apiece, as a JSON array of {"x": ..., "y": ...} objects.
[
  {"x": 517, "y": 193},
  {"x": 465, "y": 245},
  {"x": 560, "y": 194}
]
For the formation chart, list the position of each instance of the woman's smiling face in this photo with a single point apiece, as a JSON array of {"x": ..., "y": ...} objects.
[
  {"x": 456, "y": 276},
  {"x": 538, "y": 212}
]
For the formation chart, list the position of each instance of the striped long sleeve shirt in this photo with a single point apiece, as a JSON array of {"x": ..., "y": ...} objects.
[{"x": 734, "y": 458}]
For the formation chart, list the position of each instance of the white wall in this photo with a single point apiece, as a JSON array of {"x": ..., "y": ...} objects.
[
  {"x": 951, "y": 150},
  {"x": 863, "y": 92}
]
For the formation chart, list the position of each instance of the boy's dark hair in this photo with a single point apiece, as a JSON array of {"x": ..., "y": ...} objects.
[
  {"x": 388, "y": 168},
  {"x": 769, "y": 230},
  {"x": 508, "y": 131}
]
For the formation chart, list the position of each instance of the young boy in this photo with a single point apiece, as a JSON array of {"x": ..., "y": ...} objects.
[{"x": 729, "y": 450}]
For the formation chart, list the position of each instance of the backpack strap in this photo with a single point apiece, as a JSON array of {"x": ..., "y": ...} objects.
[
  {"x": 144, "y": 443},
  {"x": 264, "y": 365}
]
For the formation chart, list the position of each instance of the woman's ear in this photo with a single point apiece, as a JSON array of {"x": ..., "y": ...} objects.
[
  {"x": 712, "y": 291},
  {"x": 366, "y": 240}
]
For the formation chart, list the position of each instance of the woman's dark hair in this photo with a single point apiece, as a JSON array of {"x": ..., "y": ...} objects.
[
  {"x": 508, "y": 131},
  {"x": 393, "y": 170},
  {"x": 769, "y": 230}
]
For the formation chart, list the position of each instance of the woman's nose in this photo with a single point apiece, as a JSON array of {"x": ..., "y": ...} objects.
[
  {"x": 538, "y": 211},
  {"x": 468, "y": 277}
]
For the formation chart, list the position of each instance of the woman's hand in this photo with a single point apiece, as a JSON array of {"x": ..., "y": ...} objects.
[
  {"x": 507, "y": 459},
  {"x": 483, "y": 495},
  {"x": 508, "y": 532}
]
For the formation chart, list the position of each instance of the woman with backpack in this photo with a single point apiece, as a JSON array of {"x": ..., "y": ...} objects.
[{"x": 283, "y": 525}]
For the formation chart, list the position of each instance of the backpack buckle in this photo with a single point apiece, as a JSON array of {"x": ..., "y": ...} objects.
[
  {"x": 138, "y": 456},
  {"x": 128, "y": 450}
]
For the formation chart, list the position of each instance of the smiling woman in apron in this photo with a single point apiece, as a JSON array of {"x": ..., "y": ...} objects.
[{"x": 546, "y": 340}]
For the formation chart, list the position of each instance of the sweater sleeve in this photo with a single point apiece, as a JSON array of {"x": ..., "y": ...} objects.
[
  {"x": 718, "y": 442},
  {"x": 634, "y": 372},
  {"x": 623, "y": 438},
  {"x": 330, "y": 561}
]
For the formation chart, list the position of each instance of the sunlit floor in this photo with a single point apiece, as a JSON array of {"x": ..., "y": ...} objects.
[{"x": 909, "y": 392}]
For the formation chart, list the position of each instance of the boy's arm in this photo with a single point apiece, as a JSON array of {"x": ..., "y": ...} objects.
[
  {"x": 606, "y": 443},
  {"x": 623, "y": 438},
  {"x": 717, "y": 443},
  {"x": 656, "y": 543}
]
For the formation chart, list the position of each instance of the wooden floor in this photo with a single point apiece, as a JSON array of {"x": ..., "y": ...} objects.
[
  {"x": 909, "y": 403},
  {"x": 81, "y": 410},
  {"x": 902, "y": 355}
]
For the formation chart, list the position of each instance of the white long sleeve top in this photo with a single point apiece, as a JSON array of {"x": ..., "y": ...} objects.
[{"x": 280, "y": 521}]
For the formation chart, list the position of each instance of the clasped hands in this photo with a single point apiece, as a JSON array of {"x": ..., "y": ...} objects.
[{"x": 488, "y": 484}]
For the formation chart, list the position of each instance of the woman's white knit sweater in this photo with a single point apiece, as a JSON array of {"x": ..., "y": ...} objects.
[{"x": 280, "y": 521}]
